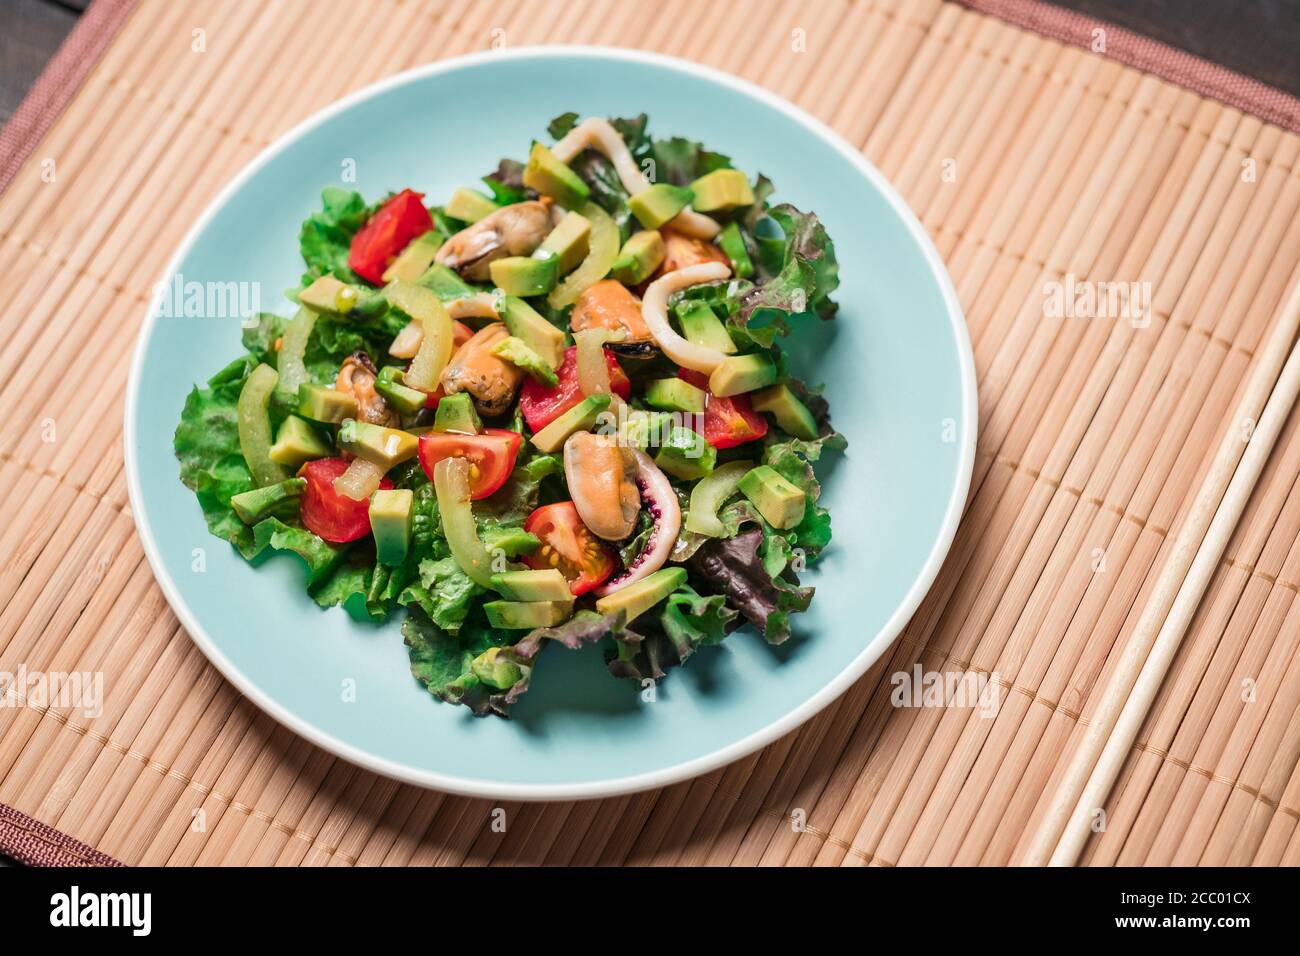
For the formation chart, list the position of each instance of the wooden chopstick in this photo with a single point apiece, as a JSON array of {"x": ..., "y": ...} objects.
[{"x": 1114, "y": 724}]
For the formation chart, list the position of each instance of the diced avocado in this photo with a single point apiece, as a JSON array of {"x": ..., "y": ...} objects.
[
  {"x": 569, "y": 241},
  {"x": 550, "y": 177},
  {"x": 702, "y": 327},
  {"x": 722, "y": 189},
  {"x": 791, "y": 414},
  {"x": 525, "y": 275},
  {"x": 328, "y": 294},
  {"x": 776, "y": 499},
  {"x": 495, "y": 671},
  {"x": 640, "y": 256},
  {"x": 385, "y": 447},
  {"x": 322, "y": 404},
  {"x": 640, "y": 597},
  {"x": 579, "y": 418},
  {"x": 731, "y": 242},
  {"x": 545, "y": 585},
  {"x": 675, "y": 395},
  {"x": 515, "y": 351},
  {"x": 742, "y": 373},
  {"x": 526, "y": 615},
  {"x": 390, "y": 384},
  {"x": 297, "y": 442},
  {"x": 445, "y": 283},
  {"x": 469, "y": 206},
  {"x": 456, "y": 413},
  {"x": 525, "y": 322},
  {"x": 510, "y": 540},
  {"x": 659, "y": 203},
  {"x": 253, "y": 506},
  {"x": 412, "y": 262},
  {"x": 641, "y": 429},
  {"x": 686, "y": 455},
  {"x": 390, "y": 522}
]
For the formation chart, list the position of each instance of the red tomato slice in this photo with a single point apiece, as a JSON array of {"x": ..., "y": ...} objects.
[
  {"x": 727, "y": 421},
  {"x": 387, "y": 233},
  {"x": 491, "y": 456},
  {"x": 335, "y": 517},
  {"x": 567, "y": 545},
  {"x": 543, "y": 404}
]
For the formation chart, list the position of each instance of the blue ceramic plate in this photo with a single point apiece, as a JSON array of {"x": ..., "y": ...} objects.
[{"x": 898, "y": 371}]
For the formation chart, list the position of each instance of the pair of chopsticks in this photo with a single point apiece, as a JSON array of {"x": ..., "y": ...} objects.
[{"x": 1269, "y": 397}]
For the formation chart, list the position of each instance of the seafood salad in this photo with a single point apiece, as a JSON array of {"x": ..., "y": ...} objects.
[{"x": 554, "y": 410}]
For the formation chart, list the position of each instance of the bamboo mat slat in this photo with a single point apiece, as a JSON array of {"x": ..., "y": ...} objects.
[{"x": 1094, "y": 436}]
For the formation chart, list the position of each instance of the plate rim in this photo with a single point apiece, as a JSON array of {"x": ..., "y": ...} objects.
[{"x": 633, "y": 783}]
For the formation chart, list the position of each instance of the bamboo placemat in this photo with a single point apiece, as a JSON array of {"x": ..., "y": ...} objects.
[{"x": 1027, "y": 160}]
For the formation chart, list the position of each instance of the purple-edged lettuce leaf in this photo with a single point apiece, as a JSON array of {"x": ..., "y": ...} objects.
[
  {"x": 734, "y": 567},
  {"x": 666, "y": 637}
]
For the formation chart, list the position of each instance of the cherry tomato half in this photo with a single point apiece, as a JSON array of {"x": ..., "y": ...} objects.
[
  {"x": 386, "y": 233},
  {"x": 543, "y": 404},
  {"x": 491, "y": 456},
  {"x": 727, "y": 421},
  {"x": 335, "y": 517},
  {"x": 584, "y": 560}
]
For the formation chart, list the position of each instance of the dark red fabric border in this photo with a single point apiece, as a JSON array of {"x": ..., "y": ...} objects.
[
  {"x": 1150, "y": 56},
  {"x": 60, "y": 79},
  {"x": 36, "y": 844}
]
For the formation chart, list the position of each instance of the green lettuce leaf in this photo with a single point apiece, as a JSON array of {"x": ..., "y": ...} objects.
[
  {"x": 207, "y": 446},
  {"x": 326, "y": 235},
  {"x": 441, "y": 660},
  {"x": 444, "y": 592}
]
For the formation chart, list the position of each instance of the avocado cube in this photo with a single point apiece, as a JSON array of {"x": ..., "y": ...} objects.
[
  {"x": 722, "y": 189},
  {"x": 641, "y": 429},
  {"x": 640, "y": 256},
  {"x": 412, "y": 262},
  {"x": 385, "y": 447},
  {"x": 742, "y": 373},
  {"x": 732, "y": 243},
  {"x": 550, "y": 177},
  {"x": 495, "y": 671},
  {"x": 776, "y": 499},
  {"x": 526, "y": 323},
  {"x": 686, "y": 455},
  {"x": 327, "y": 405},
  {"x": 544, "y": 585},
  {"x": 656, "y": 205},
  {"x": 515, "y": 351},
  {"x": 253, "y": 506},
  {"x": 526, "y": 615},
  {"x": 328, "y": 294},
  {"x": 526, "y": 275},
  {"x": 702, "y": 327},
  {"x": 675, "y": 395},
  {"x": 636, "y": 599},
  {"x": 390, "y": 522},
  {"x": 456, "y": 413},
  {"x": 579, "y": 418},
  {"x": 569, "y": 240},
  {"x": 297, "y": 442},
  {"x": 444, "y": 283},
  {"x": 791, "y": 414},
  {"x": 469, "y": 206},
  {"x": 391, "y": 384}
]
